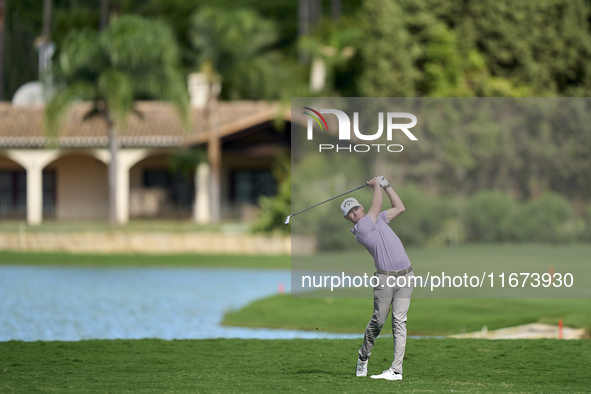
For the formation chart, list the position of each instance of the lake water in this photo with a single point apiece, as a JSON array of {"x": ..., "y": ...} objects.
[{"x": 71, "y": 304}]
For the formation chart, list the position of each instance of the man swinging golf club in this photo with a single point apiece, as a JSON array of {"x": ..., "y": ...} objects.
[{"x": 372, "y": 231}]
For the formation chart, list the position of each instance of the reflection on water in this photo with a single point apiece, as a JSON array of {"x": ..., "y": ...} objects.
[{"x": 71, "y": 304}]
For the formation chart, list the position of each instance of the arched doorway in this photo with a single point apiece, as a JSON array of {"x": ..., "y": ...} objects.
[{"x": 157, "y": 190}]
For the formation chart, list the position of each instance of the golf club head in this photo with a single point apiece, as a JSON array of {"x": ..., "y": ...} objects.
[{"x": 287, "y": 220}]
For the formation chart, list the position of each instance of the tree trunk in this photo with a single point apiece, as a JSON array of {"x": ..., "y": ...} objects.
[
  {"x": 303, "y": 26},
  {"x": 214, "y": 153},
  {"x": 2, "y": 4},
  {"x": 315, "y": 11},
  {"x": 335, "y": 10},
  {"x": 104, "y": 21},
  {"x": 113, "y": 166},
  {"x": 47, "y": 20}
]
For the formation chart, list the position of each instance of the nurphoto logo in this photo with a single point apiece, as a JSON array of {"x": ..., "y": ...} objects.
[{"x": 345, "y": 130}]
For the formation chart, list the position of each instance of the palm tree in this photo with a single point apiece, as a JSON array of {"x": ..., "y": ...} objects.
[
  {"x": 236, "y": 44},
  {"x": 132, "y": 57},
  {"x": 232, "y": 46}
]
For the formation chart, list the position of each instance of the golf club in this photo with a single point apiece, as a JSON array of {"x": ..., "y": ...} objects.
[{"x": 315, "y": 205}]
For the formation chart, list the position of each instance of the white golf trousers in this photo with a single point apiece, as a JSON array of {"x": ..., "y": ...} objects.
[{"x": 384, "y": 297}]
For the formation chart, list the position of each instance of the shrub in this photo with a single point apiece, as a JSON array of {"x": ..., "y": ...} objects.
[
  {"x": 487, "y": 216},
  {"x": 424, "y": 218},
  {"x": 275, "y": 209},
  {"x": 545, "y": 219},
  {"x": 585, "y": 233}
]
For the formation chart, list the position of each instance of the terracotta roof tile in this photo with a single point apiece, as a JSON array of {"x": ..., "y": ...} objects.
[{"x": 159, "y": 125}]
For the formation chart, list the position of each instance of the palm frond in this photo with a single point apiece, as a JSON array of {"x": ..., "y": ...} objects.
[
  {"x": 165, "y": 84},
  {"x": 81, "y": 56},
  {"x": 138, "y": 113},
  {"x": 56, "y": 107},
  {"x": 95, "y": 111},
  {"x": 226, "y": 36},
  {"x": 135, "y": 44},
  {"x": 116, "y": 88}
]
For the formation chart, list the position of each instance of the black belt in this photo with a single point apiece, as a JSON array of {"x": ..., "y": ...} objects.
[{"x": 396, "y": 273}]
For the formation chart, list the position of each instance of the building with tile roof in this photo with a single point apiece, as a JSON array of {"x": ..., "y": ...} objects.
[{"x": 65, "y": 178}]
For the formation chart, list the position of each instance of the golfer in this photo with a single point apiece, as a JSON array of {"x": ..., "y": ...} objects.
[{"x": 392, "y": 264}]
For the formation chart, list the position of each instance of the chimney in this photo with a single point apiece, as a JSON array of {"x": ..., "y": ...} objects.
[{"x": 200, "y": 89}]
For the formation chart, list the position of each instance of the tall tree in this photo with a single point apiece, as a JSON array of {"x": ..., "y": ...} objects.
[
  {"x": 303, "y": 26},
  {"x": 232, "y": 44},
  {"x": 2, "y": 6},
  {"x": 104, "y": 17},
  {"x": 47, "y": 8},
  {"x": 387, "y": 63},
  {"x": 133, "y": 57},
  {"x": 45, "y": 48}
]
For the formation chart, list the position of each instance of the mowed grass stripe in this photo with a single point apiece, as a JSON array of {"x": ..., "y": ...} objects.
[{"x": 234, "y": 365}]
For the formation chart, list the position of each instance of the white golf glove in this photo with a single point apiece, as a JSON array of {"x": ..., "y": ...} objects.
[{"x": 382, "y": 180}]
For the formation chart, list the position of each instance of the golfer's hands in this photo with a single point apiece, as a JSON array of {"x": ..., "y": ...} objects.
[
  {"x": 382, "y": 180},
  {"x": 373, "y": 183}
]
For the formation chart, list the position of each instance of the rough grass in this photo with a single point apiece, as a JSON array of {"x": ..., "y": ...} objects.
[{"x": 319, "y": 366}]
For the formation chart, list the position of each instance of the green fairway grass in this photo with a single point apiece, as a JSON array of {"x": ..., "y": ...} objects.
[
  {"x": 318, "y": 366},
  {"x": 140, "y": 260},
  {"x": 430, "y": 316},
  {"x": 465, "y": 258},
  {"x": 479, "y": 254},
  {"x": 426, "y": 316}
]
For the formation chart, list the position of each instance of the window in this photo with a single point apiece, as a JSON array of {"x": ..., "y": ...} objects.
[
  {"x": 248, "y": 185},
  {"x": 13, "y": 194}
]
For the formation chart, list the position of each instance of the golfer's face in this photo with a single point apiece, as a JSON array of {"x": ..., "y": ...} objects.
[{"x": 356, "y": 214}]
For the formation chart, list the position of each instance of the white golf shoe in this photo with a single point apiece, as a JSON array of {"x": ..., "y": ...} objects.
[
  {"x": 388, "y": 375},
  {"x": 361, "y": 368}
]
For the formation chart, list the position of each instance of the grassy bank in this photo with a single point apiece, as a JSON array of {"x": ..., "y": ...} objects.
[
  {"x": 530, "y": 257},
  {"x": 137, "y": 260},
  {"x": 437, "y": 316},
  {"x": 235, "y": 365}
]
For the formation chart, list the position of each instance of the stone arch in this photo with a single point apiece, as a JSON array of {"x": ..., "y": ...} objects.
[
  {"x": 9, "y": 159},
  {"x": 101, "y": 155},
  {"x": 80, "y": 185}
]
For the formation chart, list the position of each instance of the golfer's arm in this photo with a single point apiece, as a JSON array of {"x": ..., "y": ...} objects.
[
  {"x": 397, "y": 205},
  {"x": 376, "y": 203}
]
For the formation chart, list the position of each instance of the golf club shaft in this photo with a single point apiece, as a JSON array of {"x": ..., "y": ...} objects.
[{"x": 332, "y": 198}]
